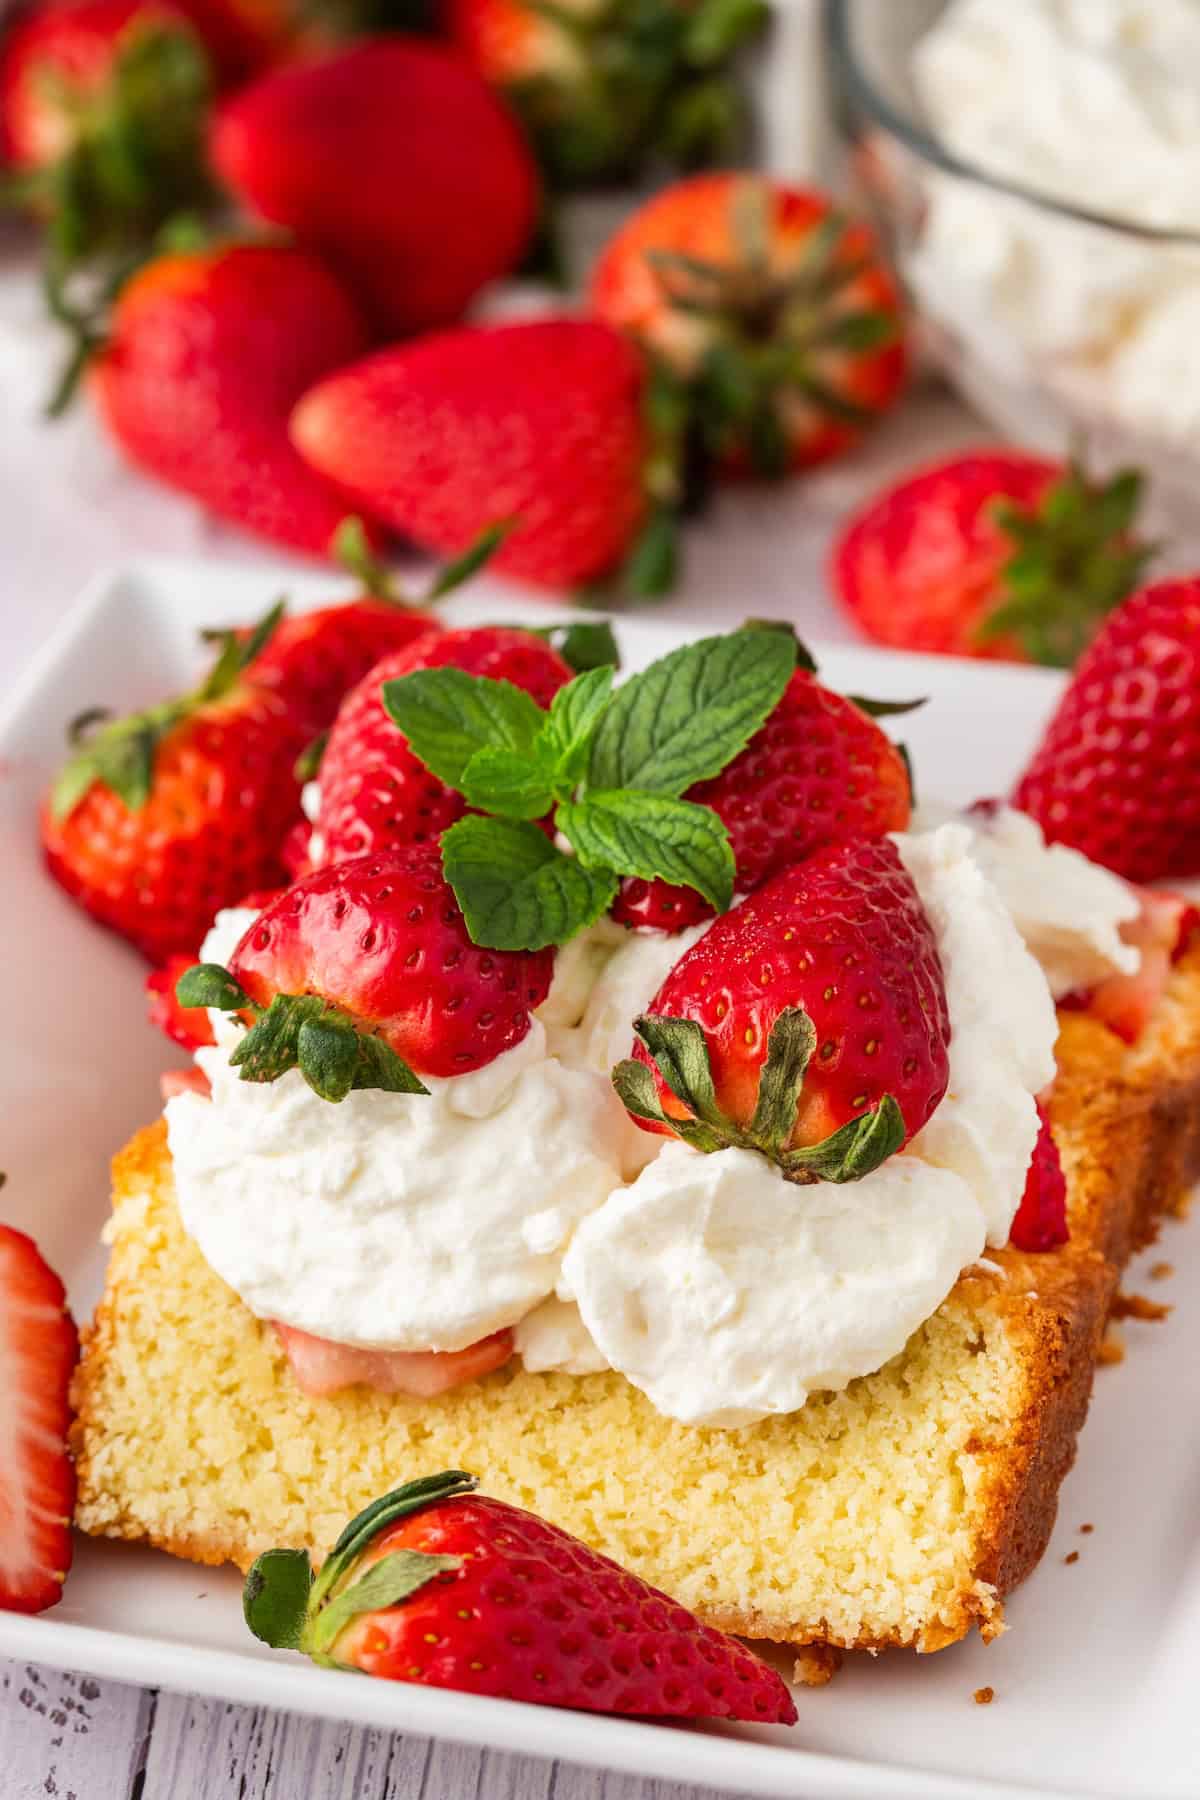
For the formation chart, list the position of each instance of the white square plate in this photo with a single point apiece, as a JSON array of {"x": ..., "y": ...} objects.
[{"x": 1095, "y": 1680}]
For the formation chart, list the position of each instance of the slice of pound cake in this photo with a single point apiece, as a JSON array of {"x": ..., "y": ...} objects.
[{"x": 898, "y": 1511}]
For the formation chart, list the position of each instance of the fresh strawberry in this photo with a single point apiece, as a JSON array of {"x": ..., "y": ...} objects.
[
  {"x": 363, "y": 975},
  {"x": 818, "y": 1007},
  {"x": 38, "y": 1350},
  {"x": 1041, "y": 1220},
  {"x": 205, "y": 356},
  {"x": 778, "y": 312},
  {"x": 160, "y": 819},
  {"x": 540, "y": 422},
  {"x": 605, "y": 85},
  {"x": 376, "y": 794},
  {"x": 1115, "y": 772},
  {"x": 1161, "y": 932},
  {"x": 818, "y": 771},
  {"x": 183, "y": 1081},
  {"x": 395, "y": 163},
  {"x": 102, "y": 107},
  {"x": 322, "y": 1367},
  {"x": 186, "y": 1025},
  {"x": 991, "y": 553},
  {"x": 433, "y": 1585}
]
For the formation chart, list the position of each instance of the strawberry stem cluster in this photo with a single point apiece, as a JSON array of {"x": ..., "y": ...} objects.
[{"x": 607, "y": 768}]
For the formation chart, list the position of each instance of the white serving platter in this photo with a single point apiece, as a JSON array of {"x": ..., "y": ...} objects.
[{"x": 1094, "y": 1682}]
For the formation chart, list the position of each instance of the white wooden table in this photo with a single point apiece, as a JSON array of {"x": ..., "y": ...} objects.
[{"x": 67, "y": 508}]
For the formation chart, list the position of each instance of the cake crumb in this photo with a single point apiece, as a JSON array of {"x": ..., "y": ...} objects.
[
  {"x": 816, "y": 1665},
  {"x": 1072, "y": 1556},
  {"x": 984, "y": 1696},
  {"x": 1161, "y": 1271},
  {"x": 1183, "y": 1205},
  {"x": 1112, "y": 1350},
  {"x": 1086, "y": 1530},
  {"x": 1137, "y": 1306}
]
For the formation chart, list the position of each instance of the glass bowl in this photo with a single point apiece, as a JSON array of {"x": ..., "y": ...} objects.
[{"x": 1063, "y": 325}]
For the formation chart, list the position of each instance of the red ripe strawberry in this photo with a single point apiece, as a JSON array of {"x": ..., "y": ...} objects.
[
  {"x": 777, "y": 311},
  {"x": 369, "y": 157},
  {"x": 1041, "y": 1220},
  {"x": 436, "y": 1586},
  {"x": 818, "y": 1010},
  {"x": 102, "y": 105},
  {"x": 1115, "y": 772},
  {"x": 604, "y": 87},
  {"x": 322, "y": 1367},
  {"x": 1162, "y": 932},
  {"x": 377, "y": 977},
  {"x": 162, "y": 818},
  {"x": 818, "y": 771},
  {"x": 990, "y": 553},
  {"x": 375, "y": 792},
  {"x": 539, "y": 422},
  {"x": 205, "y": 356},
  {"x": 38, "y": 1350},
  {"x": 186, "y": 1025}
]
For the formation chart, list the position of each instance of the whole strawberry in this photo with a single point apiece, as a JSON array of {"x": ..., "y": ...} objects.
[
  {"x": 376, "y": 794},
  {"x": 818, "y": 771},
  {"x": 777, "y": 312},
  {"x": 1041, "y": 1220},
  {"x": 38, "y": 1350},
  {"x": 434, "y": 1585},
  {"x": 991, "y": 553},
  {"x": 1115, "y": 772},
  {"x": 160, "y": 819},
  {"x": 205, "y": 356},
  {"x": 363, "y": 975},
  {"x": 809, "y": 1023},
  {"x": 613, "y": 83},
  {"x": 540, "y": 422},
  {"x": 102, "y": 108},
  {"x": 395, "y": 163}
]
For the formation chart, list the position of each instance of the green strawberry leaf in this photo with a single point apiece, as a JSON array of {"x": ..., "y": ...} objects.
[
  {"x": 447, "y": 716},
  {"x": 886, "y": 709},
  {"x": 852, "y": 1151},
  {"x": 275, "y": 1597},
  {"x": 393, "y": 1578},
  {"x": 680, "y": 1051},
  {"x": 575, "y": 712},
  {"x": 516, "y": 889},
  {"x": 303, "y": 1031},
  {"x": 689, "y": 714},
  {"x": 516, "y": 787},
  {"x": 804, "y": 657},
  {"x": 790, "y": 1047},
  {"x": 208, "y": 984},
  {"x": 582, "y": 643},
  {"x": 653, "y": 836},
  {"x": 454, "y": 574},
  {"x": 636, "y": 1090}
]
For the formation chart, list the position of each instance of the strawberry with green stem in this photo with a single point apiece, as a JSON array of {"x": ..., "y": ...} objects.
[
  {"x": 435, "y": 1585},
  {"x": 809, "y": 1024},
  {"x": 993, "y": 553},
  {"x": 607, "y": 767},
  {"x": 775, "y": 311}
]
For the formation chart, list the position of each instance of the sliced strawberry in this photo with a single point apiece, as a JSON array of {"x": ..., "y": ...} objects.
[
  {"x": 39, "y": 1347},
  {"x": 322, "y": 1367},
  {"x": 184, "y": 1081},
  {"x": 1041, "y": 1220},
  {"x": 186, "y": 1025},
  {"x": 1161, "y": 931}
]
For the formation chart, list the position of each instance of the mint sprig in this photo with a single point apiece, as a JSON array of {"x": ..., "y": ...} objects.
[{"x": 607, "y": 768}]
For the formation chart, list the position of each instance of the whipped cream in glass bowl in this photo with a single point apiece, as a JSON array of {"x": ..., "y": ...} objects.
[{"x": 1036, "y": 165}]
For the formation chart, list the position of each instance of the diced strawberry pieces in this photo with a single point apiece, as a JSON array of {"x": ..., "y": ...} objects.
[
  {"x": 184, "y": 1081},
  {"x": 186, "y": 1025},
  {"x": 322, "y": 1367},
  {"x": 1160, "y": 932},
  {"x": 1041, "y": 1220},
  {"x": 38, "y": 1350}
]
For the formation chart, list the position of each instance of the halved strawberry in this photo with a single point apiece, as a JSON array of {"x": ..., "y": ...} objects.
[
  {"x": 1161, "y": 931},
  {"x": 322, "y": 1367},
  {"x": 1041, "y": 1220},
  {"x": 38, "y": 1350}
]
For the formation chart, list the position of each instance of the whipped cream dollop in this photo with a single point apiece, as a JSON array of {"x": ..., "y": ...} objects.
[
  {"x": 1092, "y": 102},
  {"x": 624, "y": 989},
  {"x": 727, "y": 1294},
  {"x": 1069, "y": 911},
  {"x": 399, "y": 1222},
  {"x": 554, "y": 1338}
]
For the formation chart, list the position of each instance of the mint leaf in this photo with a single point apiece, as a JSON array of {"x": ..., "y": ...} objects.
[
  {"x": 502, "y": 781},
  {"x": 516, "y": 890},
  {"x": 447, "y": 716},
  {"x": 687, "y": 715},
  {"x": 652, "y": 835},
  {"x": 575, "y": 711}
]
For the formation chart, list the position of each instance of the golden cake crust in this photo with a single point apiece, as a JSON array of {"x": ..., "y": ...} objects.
[{"x": 900, "y": 1512}]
